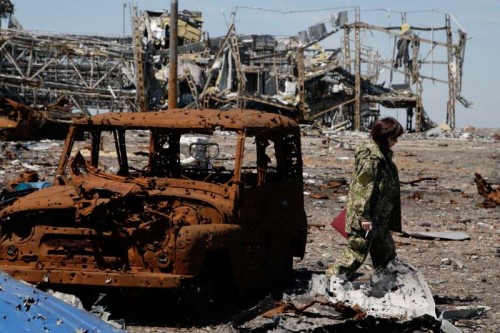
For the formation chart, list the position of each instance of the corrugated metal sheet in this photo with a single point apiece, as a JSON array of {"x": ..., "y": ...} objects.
[{"x": 24, "y": 308}]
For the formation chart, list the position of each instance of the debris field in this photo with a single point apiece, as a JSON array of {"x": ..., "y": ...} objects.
[
  {"x": 450, "y": 182},
  {"x": 440, "y": 198}
]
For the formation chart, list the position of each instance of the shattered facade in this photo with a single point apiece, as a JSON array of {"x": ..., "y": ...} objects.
[
  {"x": 295, "y": 76},
  {"x": 62, "y": 76}
]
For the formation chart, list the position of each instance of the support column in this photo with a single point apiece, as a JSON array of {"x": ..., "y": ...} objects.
[
  {"x": 450, "y": 115},
  {"x": 140, "y": 97},
  {"x": 347, "y": 49},
  {"x": 301, "y": 83},
  {"x": 418, "y": 107},
  {"x": 172, "y": 75},
  {"x": 357, "y": 74},
  {"x": 409, "y": 118}
]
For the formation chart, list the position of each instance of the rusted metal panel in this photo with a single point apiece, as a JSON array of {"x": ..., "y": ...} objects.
[
  {"x": 7, "y": 123},
  {"x": 194, "y": 119},
  {"x": 60, "y": 197},
  {"x": 21, "y": 122},
  {"x": 491, "y": 195},
  {"x": 109, "y": 279}
]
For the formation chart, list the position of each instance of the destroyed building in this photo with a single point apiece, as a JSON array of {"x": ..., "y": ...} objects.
[
  {"x": 339, "y": 85},
  {"x": 299, "y": 77},
  {"x": 79, "y": 75}
]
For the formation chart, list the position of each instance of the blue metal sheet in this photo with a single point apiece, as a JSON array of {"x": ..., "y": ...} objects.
[{"x": 24, "y": 308}]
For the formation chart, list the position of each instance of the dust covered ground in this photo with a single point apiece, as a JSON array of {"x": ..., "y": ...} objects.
[{"x": 459, "y": 273}]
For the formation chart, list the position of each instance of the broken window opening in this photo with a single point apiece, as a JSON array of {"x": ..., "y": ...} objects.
[
  {"x": 208, "y": 157},
  {"x": 164, "y": 157},
  {"x": 260, "y": 164},
  {"x": 292, "y": 159}
]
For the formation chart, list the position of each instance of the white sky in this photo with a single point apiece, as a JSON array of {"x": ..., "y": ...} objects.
[{"x": 480, "y": 19}]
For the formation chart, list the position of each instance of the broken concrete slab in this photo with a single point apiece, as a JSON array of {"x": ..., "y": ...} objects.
[{"x": 399, "y": 290}]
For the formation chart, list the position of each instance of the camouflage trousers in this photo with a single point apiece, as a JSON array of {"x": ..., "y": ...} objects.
[{"x": 379, "y": 244}]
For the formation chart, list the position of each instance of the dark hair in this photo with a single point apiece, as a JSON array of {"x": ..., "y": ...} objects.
[{"x": 386, "y": 128}]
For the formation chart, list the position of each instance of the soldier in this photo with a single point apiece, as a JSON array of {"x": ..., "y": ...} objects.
[{"x": 374, "y": 203}]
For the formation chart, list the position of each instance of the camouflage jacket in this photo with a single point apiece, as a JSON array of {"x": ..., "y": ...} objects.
[{"x": 374, "y": 194}]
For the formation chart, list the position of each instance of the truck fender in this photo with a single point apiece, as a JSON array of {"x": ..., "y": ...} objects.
[{"x": 194, "y": 241}]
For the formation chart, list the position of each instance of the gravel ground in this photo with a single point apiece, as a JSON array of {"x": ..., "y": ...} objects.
[{"x": 458, "y": 272}]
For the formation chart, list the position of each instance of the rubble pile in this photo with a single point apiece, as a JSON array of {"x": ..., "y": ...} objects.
[{"x": 396, "y": 298}]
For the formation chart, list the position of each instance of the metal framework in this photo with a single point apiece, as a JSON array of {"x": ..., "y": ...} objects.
[
  {"x": 357, "y": 67},
  {"x": 120, "y": 74},
  {"x": 89, "y": 71},
  {"x": 411, "y": 70}
]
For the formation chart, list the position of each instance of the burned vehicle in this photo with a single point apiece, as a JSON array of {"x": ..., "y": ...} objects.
[{"x": 157, "y": 199}]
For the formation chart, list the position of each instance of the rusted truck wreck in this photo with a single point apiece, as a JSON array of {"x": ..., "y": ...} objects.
[{"x": 211, "y": 192}]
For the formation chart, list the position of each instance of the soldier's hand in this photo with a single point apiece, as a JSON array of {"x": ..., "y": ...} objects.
[{"x": 366, "y": 225}]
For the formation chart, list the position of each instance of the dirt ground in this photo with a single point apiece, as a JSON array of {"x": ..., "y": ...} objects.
[{"x": 458, "y": 272}]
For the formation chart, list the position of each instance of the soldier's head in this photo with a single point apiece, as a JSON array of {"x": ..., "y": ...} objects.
[{"x": 386, "y": 131}]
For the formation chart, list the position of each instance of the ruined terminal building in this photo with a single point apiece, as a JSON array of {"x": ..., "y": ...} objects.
[{"x": 339, "y": 72}]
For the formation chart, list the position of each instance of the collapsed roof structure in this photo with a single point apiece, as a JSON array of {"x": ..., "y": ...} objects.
[
  {"x": 298, "y": 76},
  {"x": 308, "y": 76}
]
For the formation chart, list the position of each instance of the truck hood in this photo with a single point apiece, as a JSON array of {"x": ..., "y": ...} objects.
[
  {"x": 91, "y": 191},
  {"x": 55, "y": 197}
]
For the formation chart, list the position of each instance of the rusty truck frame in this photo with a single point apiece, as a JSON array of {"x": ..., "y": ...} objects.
[{"x": 172, "y": 196}]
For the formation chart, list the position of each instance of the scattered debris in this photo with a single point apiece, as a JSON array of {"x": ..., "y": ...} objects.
[
  {"x": 413, "y": 182},
  {"x": 445, "y": 235},
  {"x": 416, "y": 196},
  {"x": 462, "y": 312},
  {"x": 397, "y": 299},
  {"x": 323, "y": 170},
  {"x": 320, "y": 196},
  {"x": 293, "y": 75},
  {"x": 25, "y": 308},
  {"x": 263, "y": 306},
  {"x": 448, "y": 261},
  {"x": 491, "y": 195},
  {"x": 96, "y": 310}
]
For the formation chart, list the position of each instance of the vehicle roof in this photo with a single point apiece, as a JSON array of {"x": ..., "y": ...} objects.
[{"x": 192, "y": 118}]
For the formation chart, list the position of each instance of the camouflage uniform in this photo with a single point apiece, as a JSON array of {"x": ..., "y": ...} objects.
[{"x": 374, "y": 196}]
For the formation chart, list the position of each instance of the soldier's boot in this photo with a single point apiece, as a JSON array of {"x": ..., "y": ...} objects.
[{"x": 335, "y": 272}]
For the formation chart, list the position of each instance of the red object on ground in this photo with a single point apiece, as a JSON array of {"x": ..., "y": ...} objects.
[{"x": 339, "y": 223}]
